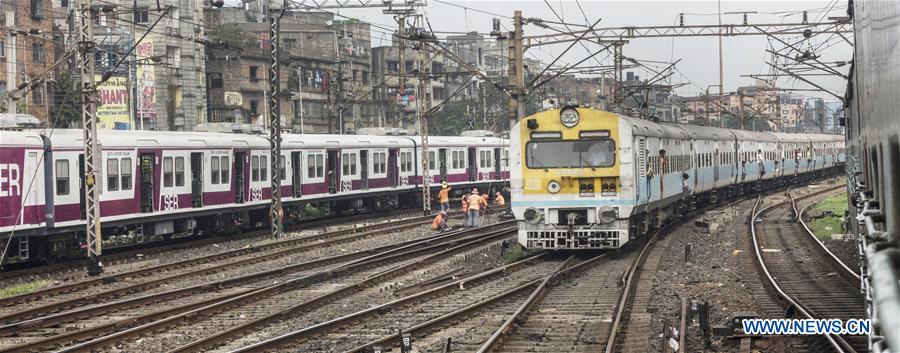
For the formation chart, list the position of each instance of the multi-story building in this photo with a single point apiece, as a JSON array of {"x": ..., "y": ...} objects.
[
  {"x": 398, "y": 104},
  {"x": 326, "y": 75},
  {"x": 27, "y": 51}
]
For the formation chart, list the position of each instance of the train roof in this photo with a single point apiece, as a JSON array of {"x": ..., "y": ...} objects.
[{"x": 20, "y": 138}]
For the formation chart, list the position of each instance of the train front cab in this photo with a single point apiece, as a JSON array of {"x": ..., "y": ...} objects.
[{"x": 568, "y": 187}]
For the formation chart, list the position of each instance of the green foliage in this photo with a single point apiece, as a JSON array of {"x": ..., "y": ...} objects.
[
  {"x": 231, "y": 35},
  {"x": 66, "y": 109},
  {"x": 23, "y": 288},
  {"x": 824, "y": 227},
  {"x": 516, "y": 252}
]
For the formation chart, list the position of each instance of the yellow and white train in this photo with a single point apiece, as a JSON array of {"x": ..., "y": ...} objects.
[{"x": 584, "y": 178}]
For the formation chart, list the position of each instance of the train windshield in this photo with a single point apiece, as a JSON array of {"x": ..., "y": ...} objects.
[{"x": 570, "y": 154}]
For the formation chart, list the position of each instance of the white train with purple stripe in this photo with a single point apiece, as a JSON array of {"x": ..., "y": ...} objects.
[{"x": 162, "y": 184}]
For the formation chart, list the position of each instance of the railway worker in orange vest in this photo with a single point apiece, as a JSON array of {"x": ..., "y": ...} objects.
[
  {"x": 475, "y": 203},
  {"x": 499, "y": 200},
  {"x": 465, "y": 207},
  {"x": 444, "y": 197},
  {"x": 440, "y": 222}
]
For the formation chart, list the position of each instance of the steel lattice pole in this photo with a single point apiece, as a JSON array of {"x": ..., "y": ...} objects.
[
  {"x": 89, "y": 126},
  {"x": 276, "y": 213}
]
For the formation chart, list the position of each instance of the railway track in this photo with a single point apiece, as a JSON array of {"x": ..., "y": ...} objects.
[
  {"x": 803, "y": 274},
  {"x": 153, "y": 250},
  {"x": 247, "y": 307}
]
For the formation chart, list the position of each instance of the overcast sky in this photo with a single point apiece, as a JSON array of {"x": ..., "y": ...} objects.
[{"x": 699, "y": 55}]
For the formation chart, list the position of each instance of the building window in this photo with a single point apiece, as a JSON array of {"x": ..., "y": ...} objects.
[
  {"x": 254, "y": 73},
  {"x": 174, "y": 55},
  {"x": 37, "y": 53},
  {"x": 62, "y": 177},
  {"x": 126, "y": 172},
  {"x": 393, "y": 66},
  {"x": 2, "y": 49},
  {"x": 215, "y": 80},
  {"x": 254, "y": 107},
  {"x": 168, "y": 174},
  {"x": 365, "y": 77},
  {"x": 179, "y": 171},
  {"x": 140, "y": 15},
  {"x": 37, "y": 96},
  {"x": 37, "y": 9}
]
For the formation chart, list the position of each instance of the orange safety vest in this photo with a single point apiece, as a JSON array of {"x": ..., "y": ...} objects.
[{"x": 437, "y": 222}]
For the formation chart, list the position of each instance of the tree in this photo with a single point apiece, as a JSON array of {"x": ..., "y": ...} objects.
[{"x": 66, "y": 109}]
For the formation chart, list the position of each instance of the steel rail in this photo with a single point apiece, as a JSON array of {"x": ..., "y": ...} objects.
[
  {"x": 836, "y": 341},
  {"x": 848, "y": 272},
  {"x": 626, "y": 293},
  {"x": 393, "y": 255}
]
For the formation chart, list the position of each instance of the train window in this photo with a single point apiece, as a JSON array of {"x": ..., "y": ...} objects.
[
  {"x": 168, "y": 175},
  {"x": 353, "y": 163},
  {"x": 126, "y": 172},
  {"x": 382, "y": 163},
  {"x": 506, "y": 158},
  {"x": 214, "y": 170},
  {"x": 225, "y": 172},
  {"x": 431, "y": 158},
  {"x": 254, "y": 168},
  {"x": 403, "y": 159},
  {"x": 179, "y": 171},
  {"x": 62, "y": 177},
  {"x": 310, "y": 166},
  {"x": 112, "y": 174},
  {"x": 345, "y": 158},
  {"x": 282, "y": 174},
  {"x": 409, "y": 162},
  {"x": 263, "y": 168},
  {"x": 571, "y": 153}
]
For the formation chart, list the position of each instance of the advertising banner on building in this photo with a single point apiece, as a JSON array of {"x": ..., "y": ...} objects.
[
  {"x": 112, "y": 110},
  {"x": 146, "y": 85}
]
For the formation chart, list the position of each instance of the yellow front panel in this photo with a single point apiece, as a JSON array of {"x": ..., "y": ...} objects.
[{"x": 534, "y": 181}]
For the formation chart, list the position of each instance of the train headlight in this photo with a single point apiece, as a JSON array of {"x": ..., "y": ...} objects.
[
  {"x": 533, "y": 215},
  {"x": 606, "y": 214},
  {"x": 553, "y": 186},
  {"x": 569, "y": 117}
]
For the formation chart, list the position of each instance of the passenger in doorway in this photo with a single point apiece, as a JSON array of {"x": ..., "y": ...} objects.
[
  {"x": 743, "y": 169},
  {"x": 444, "y": 197},
  {"x": 440, "y": 222},
  {"x": 762, "y": 163}
]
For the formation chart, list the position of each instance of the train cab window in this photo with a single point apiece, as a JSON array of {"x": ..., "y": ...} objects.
[
  {"x": 125, "y": 171},
  {"x": 62, "y": 177},
  {"x": 214, "y": 170},
  {"x": 282, "y": 170},
  {"x": 168, "y": 174},
  {"x": 179, "y": 171},
  {"x": 254, "y": 168},
  {"x": 263, "y": 168},
  {"x": 226, "y": 171}
]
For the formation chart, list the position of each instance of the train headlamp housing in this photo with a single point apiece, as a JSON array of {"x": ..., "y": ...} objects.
[
  {"x": 553, "y": 186},
  {"x": 569, "y": 117},
  {"x": 533, "y": 215}
]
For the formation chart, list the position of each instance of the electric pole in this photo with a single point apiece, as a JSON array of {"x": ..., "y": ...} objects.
[
  {"x": 516, "y": 73},
  {"x": 401, "y": 32},
  {"x": 423, "y": 104},
  {"x": 89, "y": 127},
  {"x": 741, "y": 107},
  {"x": 276, "y": 213}
]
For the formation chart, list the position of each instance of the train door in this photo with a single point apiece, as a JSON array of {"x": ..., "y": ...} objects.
[
  {"x": 442, "y": 163},
  {"x": 81, "y": 198},
  {"x": 392, "y": 171},
  {"x": 197, "y": 179},
  {"x": 297, "y": 173},
  {"x": 716, "y": 163},
  {"x": 497, "y": 164},
  {"x": 332, "y": 165},
  {"x": 473, "y": 164},
  {"x": 147, "y": 164},
  {"x": 364, "y": 169},
  {"x": 239, "y": 177}
]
